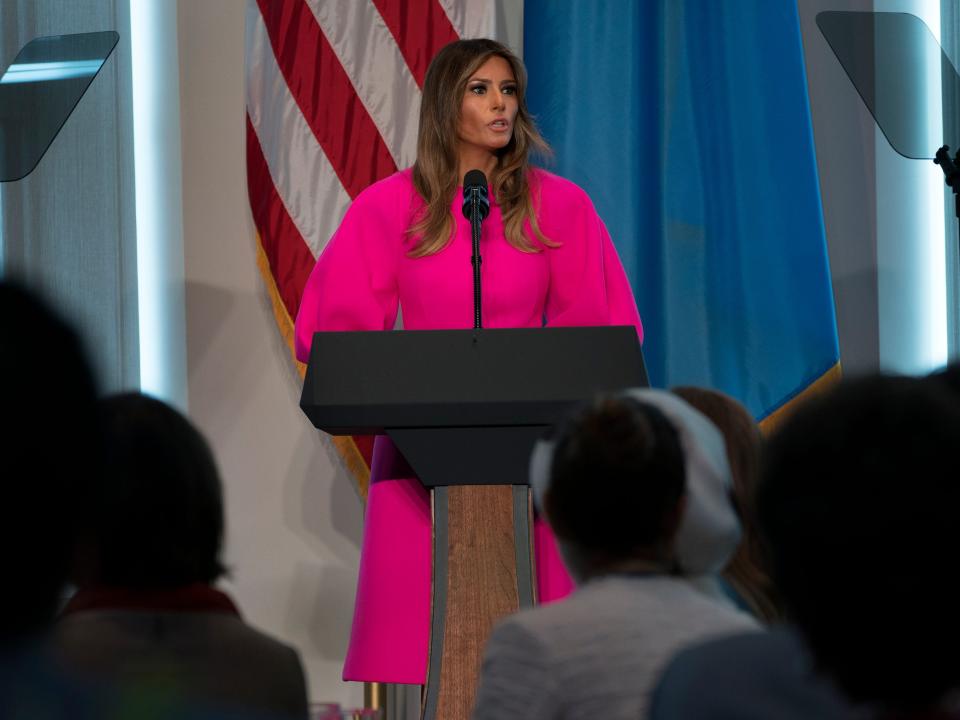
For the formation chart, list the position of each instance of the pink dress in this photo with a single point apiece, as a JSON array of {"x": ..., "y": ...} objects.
[{"x": 361, "y": 278}]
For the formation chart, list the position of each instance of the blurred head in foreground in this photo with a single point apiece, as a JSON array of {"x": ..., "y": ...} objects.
[
  {"x": 155, "y": 519},
  {"x": 604, "y": 479},
  {"x": 858, "y": 500},
  {"x": 616, "y": 487},
  {"x": 51, "y": 451}
]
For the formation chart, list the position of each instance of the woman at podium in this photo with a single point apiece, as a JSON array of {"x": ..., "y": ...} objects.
[{"x": 404, "y": 245}]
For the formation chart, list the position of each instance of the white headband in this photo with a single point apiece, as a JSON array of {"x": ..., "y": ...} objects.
[{"x": 709, "y": 530}]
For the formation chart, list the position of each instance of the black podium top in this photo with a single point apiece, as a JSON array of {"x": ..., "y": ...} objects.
[{"x": 369, "y": 382}]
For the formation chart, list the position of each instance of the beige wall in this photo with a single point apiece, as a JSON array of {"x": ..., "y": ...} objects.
[{"x": 294, "y": 520}]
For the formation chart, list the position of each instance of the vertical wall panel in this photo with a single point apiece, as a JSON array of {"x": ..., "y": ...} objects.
[
  {"x": 844, "y": 134},
  {"x": 910, "y": 230},
  {"x": 69, "y": 228}
]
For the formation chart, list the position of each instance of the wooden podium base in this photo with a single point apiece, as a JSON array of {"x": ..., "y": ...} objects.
[{"x": 482, "y": 571}]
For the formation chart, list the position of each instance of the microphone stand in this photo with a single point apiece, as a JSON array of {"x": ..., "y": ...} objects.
[
  {"x": 951, "y": 174},
  {"x": 475, "y": 259}
]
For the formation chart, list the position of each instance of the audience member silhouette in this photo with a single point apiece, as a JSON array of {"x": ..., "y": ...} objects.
[
  {"x": 745, "y": 578},
  {"x": 146, "y": 614},
  {"x": 856, "y": 503},
  {"x": 859, "y": 504},
  {"x": 50, "y": 453},
  {"x": 52, "y": 457},
  {"x": 614, "y": 489}
]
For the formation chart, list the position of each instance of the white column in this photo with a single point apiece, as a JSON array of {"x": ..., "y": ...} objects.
[
  {"x": 156, "y": 133},
  {"x": 911, "y": 235}
]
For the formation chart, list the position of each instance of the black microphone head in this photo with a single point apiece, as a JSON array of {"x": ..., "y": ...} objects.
[
  {"x": 474, "y": 178},
  {"x": 475, "y": 186}
]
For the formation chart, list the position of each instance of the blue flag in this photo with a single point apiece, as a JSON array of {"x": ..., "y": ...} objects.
[{"x": 688, "y": 123}]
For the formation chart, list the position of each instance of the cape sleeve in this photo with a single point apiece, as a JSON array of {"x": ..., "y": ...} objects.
[
  {"x": 353, "y": 286},
  {"x": 588, "y": 285}
]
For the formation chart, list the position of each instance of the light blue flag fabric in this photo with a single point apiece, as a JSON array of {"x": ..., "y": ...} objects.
[{"x": 688, "y": 123}]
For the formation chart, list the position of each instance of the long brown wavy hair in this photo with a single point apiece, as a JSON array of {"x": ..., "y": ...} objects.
[
  {"x": 435, "y": 173},
  {"x": 747, "y": 571}
]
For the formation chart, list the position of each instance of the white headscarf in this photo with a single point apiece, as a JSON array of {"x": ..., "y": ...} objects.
[{"x": 709, "y": 529}]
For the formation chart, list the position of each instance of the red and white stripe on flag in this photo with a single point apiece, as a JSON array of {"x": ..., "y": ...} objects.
[{"x": 333, "y": 98}]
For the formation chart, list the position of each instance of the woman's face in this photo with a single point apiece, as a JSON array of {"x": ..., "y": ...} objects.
[{"x": 489, "y": 108}]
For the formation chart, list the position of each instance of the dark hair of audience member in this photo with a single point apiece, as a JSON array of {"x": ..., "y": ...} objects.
[
  {"x": 948, "y": 378},
  {"x": 616, "y": 482},
  {"x": 858, "y": 500},
  {"x": 746, "y": 572},
  {"x": 157, "y": 517},
  {"x": 51, "y": 450}
]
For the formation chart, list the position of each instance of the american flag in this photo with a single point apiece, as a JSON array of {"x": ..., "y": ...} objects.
[{"x": 333, "y": 100}]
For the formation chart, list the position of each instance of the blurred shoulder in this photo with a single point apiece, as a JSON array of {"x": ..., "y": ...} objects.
[
  {"x": 255, "y": 638},
  {"x": 757, "y": 674},
  {"x": 531, "y": 631},
  {"x": 557, "y": 622},
  {"x": 730, "y": 653}
]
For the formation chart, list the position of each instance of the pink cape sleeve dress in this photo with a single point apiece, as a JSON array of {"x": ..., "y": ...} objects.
[{"x": 363, "y": 275}]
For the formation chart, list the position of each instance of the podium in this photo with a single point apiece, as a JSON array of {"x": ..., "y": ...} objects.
[{"x": 465, "y": 407}]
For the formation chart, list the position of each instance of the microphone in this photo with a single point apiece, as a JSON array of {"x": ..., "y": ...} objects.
[
  {"x": 475, "y": 186},
  {"x": 476, "y": 206}
]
